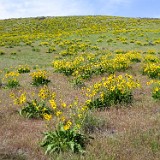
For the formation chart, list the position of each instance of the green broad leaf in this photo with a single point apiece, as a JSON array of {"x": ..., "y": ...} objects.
[
  {"x": 71, "y": 145},
  {"x": 50, "y": 148}
]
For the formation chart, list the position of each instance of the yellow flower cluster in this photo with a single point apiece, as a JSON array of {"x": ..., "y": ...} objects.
[
  {"x": 67, "y": 125},
  {"x": 120, "y": 62},
  {"x": 47, "y": 117},
  {"x": 76, "y": 25},
  {"x": 155, "y": 88},
  {"x": 72, "y": 47},
  {"x": 134, "y": 56},
  {"x": 151, "y": 58},
  {"x": 23, "y": 69},
  {"x": 87, "y": 64},
  {"x": 152, "y": 70},
  {"x": 39, "y": 74},
  {"x": 44, "y": 43},
  {"x": 151, "y": 51},
  {"x": 40, "y": 77},
  {"x": 36, "y": 105},
  {"x": 53, "y": 104},
  {"x": 19, "y": 100},
  {"x": 69, "y": 115},
  {"x": 44, "y": 105},
  {"x": 11, "y": 75},
  {"x": 44, "y": 93},
  {"x": 67, "y": 66},
  {"x": 112, "y": 83},
  {"x": 111, "y": 90},
  {"x": 11, "y": 79}
]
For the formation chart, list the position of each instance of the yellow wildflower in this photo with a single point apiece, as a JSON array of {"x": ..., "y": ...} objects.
[
  {"x": 22, "y": 98},
  {"x": 58, "y": 113},
  {"x": 64, "y": 105},
  {"x": 68, "y": 125},
  {"x": 63, "y": 118},
  {"x": 47, "y": 116},
  {"x": 53, "y": 103}
]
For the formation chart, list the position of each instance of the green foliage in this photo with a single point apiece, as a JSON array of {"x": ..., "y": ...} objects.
[
  {"x": 152, "y": 70},
  {"x": 51, "y": 49},
  {"x": 113, "y": 90},
  {"x": 156, "y": 95},
  {"x": 11, "y": 79},
  {"x": 12, "y": 83},
  {"x": 62, "y": 140},
  {"x": 23, "y": 69},
  {"x": 36, "y": 49},
  {"x": 40, "y": 78},
  {"x": 13, "y": 53},
  {"x": 2, "y": 52},
  {"x": 78, "y": 82},
  {"x": 156, "y": 90},
  {"x": 110, "y": 98},
  {"x": 35, "y": 109},
  {"x": 120, "y": 51}
]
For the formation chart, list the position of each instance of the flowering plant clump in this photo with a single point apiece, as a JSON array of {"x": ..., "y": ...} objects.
[
  {"x": 120, "y": 62},
  {"x": 134, "y": 56},
  {"x": 67, "y": 66},
  {"x": 151, "y": 58},
  {"x": 11, "y": 79},
  {"x": 152, "y": 70},
  {"x": 78, "y": 80},
  {"x": 67, "y": 134},
  {"x": 88, "y": 64},
  {"x": 120, "y": 51},
  {"x": 155, "y": 88},
  {"x": 23, "y": 69},
  {"x": 40, "y": 77},
  {"x": 85, "y": 71},
  {"x": 35, "y": 107},
  {"x": 51, "y": 49},
  {"x": 44, "y": 43},
  {"x": 112, "y": 90},
  {"x": 151, "y": 51},
  {"x": 107, "y": 64},
  {"x": 63, "y": 139}
]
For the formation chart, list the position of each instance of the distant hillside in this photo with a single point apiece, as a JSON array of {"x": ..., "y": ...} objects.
[{"x": 31, "y": 29}]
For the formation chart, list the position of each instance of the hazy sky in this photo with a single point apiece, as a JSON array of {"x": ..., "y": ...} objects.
[{"x": 34, "y": 8}]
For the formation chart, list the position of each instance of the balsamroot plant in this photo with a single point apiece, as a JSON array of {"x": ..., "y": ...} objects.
[
  {"x": 40, "y": 77},
  {"x": 111, "y": 90}
]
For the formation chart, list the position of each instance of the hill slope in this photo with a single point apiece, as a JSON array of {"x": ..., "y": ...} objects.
[{"x": 109, "y": 64}]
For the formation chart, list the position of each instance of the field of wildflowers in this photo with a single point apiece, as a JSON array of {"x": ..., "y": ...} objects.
[{"x": 88, "y": 85}]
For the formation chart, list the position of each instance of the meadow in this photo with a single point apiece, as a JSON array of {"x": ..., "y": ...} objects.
[{"x": 81, "y": 87}]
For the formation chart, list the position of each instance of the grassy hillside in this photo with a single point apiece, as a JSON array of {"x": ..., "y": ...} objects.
[{"x": 107, "y": 68}]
